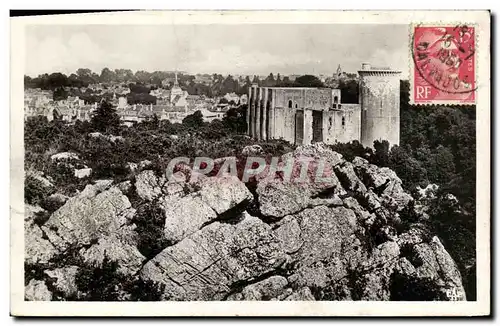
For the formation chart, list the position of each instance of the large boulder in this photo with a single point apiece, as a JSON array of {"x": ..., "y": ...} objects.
[
  {"x": 449, "y": 270},
  {"x": 375, "y": 273},
  {"x": 215, "y": 198},
  {"x": 252, "y": 150},
  {"x": 278, "y": 198},
  {"x": 384, "y": 182},
  {"x": 88, "y": 217},
  {"x": 427, "y": 272},
  {"x": 224, "y": 193},
  {"x": 311, "y": 173},
  {"x": 37, "y": 290},
  {"x": 209, "y": 263},
  {"x": 267, "y": 289},
  {"x": 184, "y": 216},
  {"x": 64, "y": 156},
  {"x": 148, "y": 185},
  {"x": 120, "y": 246},
  {"x": 64, "y": 280},
  {"x": 317, "y": 151},
  {"x": 37, "y": 248},
  {"x": 328, "y": 246},
  {"x": 349, "y": 179}
]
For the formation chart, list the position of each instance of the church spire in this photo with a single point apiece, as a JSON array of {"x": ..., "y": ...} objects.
[
  {"x": 176, "y": 83},
  {"x": 339, "y": 71}
]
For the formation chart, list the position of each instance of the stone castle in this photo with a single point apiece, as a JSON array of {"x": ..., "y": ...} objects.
[{"x": 304, "y": 115}]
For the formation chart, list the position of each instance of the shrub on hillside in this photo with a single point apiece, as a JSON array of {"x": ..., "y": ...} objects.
[
  {"x": 35, "y": 191},
  {"x": 150, "y": 222}
]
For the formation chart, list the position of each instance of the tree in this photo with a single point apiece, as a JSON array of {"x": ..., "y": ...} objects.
[
  {"x": 229, "y": 85},
  {"x": 269, "y": 81},
  {"x": 278, "y": 80},
  {"x": 308, "y": 81},
  {"x": 82, "y": 72},
  {"x": 59, "y": 94},
  {"x": 105, "y": 118},
  {"x": 352, "y": 149},
  {"x": 142, "y": 76},
  {"x": 194, "y": 120},
  {"x": 235, "y": 119},
  {"x": 349, "y": 90},
  {"x": 124, "y": 75},
  {"x": 107, "y": 75},
  {"x": 381, "y": 156},
  {"x": 28, "y": 82}
]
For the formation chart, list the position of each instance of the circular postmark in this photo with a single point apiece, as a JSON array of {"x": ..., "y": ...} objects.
[{"x": 444, "y": 57}]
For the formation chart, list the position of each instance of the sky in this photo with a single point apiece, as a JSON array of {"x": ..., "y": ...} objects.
[{"x": 244, "y": 49}]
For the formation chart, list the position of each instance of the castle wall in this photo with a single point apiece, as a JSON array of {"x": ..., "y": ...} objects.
[
  {"x": 273, "y": 111},
  {"x": 379, "y": 99},
  {"x": 301, "y": 98},
  {"x": 284, "y": 96},
  {"x": 308, "y": 130},
  {"x": 343, "y": 125},
  {"x": 285, "y": 126}
]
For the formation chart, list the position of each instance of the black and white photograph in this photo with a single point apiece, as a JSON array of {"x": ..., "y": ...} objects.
[{"x": 225, "y": 158}]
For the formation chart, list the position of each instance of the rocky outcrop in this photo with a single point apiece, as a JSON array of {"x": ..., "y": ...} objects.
[
  {"x": 37, "y": 290},
  {"x": 120, "y": 246},
  {"x": 224, "y": 193},
  {"x": 93, "y": 223},
  {"x": 208, "y": 264},
  {"x": 185, "y": 216},
  {"x": 267, "y": 289},
  {"x": 82, "y": 173},
  {"x": 214, "y": 198},
  {"x": 282, "y": 195},
  {"x": 88, "y": 217},
  {"x": 252, "y": 150},
  {"x": 384, "y": 182},
  {"x": 64, "y": 280},
  {"x": 148, "y": 185},
  {"x": 343, "y": 236},
  {"x": 38, "y": 249},
  {"x": 64, "y": 156}
]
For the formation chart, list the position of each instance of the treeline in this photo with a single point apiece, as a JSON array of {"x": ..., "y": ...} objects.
[{"x": 141, "y": 82}]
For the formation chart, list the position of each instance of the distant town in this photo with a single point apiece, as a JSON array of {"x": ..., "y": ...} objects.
[{"x": 167, "y": 95}]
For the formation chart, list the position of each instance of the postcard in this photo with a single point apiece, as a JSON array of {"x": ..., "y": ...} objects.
[{"x": 251, "y": 163}]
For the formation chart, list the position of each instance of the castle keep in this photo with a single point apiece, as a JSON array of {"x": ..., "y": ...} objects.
[{"x": 304, "y": 115}]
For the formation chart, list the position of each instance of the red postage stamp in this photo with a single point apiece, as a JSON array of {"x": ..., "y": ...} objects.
[{"x": 443, "y": 64}]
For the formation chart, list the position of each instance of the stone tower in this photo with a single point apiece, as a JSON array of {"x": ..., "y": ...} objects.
[{"x": 379, "y": 100}]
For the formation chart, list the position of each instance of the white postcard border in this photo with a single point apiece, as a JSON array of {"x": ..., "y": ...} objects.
[{"x": 19, "y": 307}]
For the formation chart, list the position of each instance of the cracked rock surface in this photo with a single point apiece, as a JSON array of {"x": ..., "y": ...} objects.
[{"x": 346, "y": 238}]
